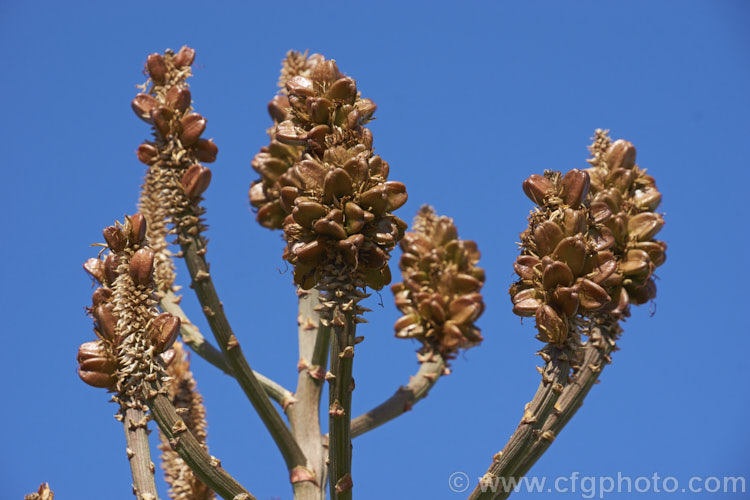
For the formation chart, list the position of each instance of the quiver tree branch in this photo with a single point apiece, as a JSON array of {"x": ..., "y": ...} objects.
[{"x": 135, "y": 422}]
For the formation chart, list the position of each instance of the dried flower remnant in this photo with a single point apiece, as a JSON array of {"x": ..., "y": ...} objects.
[
  {"x": 440, "y": 295},
  {"x": 338, "y": 199},
  {"x": 183, "y": 392},
  {"x": 175, "y": 179}
]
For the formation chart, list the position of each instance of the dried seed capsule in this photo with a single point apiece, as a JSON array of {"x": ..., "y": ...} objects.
[
  {"x": 91, "y": 350},
  {"x": 205, "y": 150},
  {"x": 97, "y": 379},
  {"x": 350, "y": 248},
  {"x": 642, "y": 294},
  {"x": 301, "y": 86},
  {"x": 336, "y": 185},
  {"x": 621, "y": 179},
  {"x": 330, "y": 228},
  {"x": 115, "y": 238},
  {"x": 100, "y": 296},
  {"x": 647, "y": 199},
  {"x": 552, "y": 328},
  {"x": 195, "y": 181},
  {"x": 157, "y": 68},
  {"x": 164, "y": 330},
  {"x": 546, "y": 236},
  {"x": 107, "y": 322},
  {"x": 575, "y": 187},
  {"x": 307, "y": 212},
  {"x": 621, "y": 154},
  {"x": 600, "y": 212},
  {"x": 287, "y": 133},
  {"x": 527, "y": 307},
  {"x": 572, "y": 251},
  {"x": 161, "y": 117},
  {"x": 178, "y": 98},
  {"x": 147, "y": 154},
  {"x": 556, "y": 274},
  {"x": 111, "y": 262},
  {"x": 184, "y": 57},
  {"x": 343, "y": 89},
  {"x": 309, "y": 253},
  {"x": 193, "y": 126},
  {"x": 278, "y": 108},
  {"x": 574, "y": 222},
  {"x": 136, "y": 229},
  {"x": 95, "y": 268},
  {"x": 567, "y": 299},
  {"x": 656, "y": 251},
  {"x": 141, "y": 266},
  {"x": 100, "y": 365},
  {"x": 644, "y": 226},
  {"x": 524, "y": 266},
  {"x": 168, "y": 356},
  {"x": 142, "y": 105},
  {"x": 537, "y": 187},
  {"x": 591, "y": 295},
  {"x": 366, "y": 109}
]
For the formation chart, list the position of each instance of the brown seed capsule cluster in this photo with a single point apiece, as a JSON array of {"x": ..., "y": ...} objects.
[
  {"x": 176, "y": 179},
  {"x": 440, "y": 295},
  {"x": 336, "y": 200},
  {"x": 130, "y": 331},
  {"x": 589, "y": 244},
  {"x": 624, "y": 199},
  {"x": 275, "y": 159}
]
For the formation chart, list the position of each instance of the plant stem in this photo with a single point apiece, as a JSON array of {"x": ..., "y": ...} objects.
[
  {"x": 430, "y": 370},
  {"x": 505, "y": 463},
  {"x": 595, "y": 358},
  {"x": 304, "y": 414},
  {"x": 139, "y": 453},
  {"x": 340, "y": 391},
  {"x": 206, "y": 468},
  {"x": 192, "y": 336},
  {"x": 193, "y": 252}
]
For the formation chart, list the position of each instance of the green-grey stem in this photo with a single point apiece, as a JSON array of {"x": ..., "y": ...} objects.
[
  {"x": 205, "y": 467},
  {"x": 340, "y": 399},
  {"x": 430, "y": 370},
  {"x": 505, "y": 463},
  {"x": 192, "y": 336},
  {"x": 139, "y": 454},
  {"x": 193, "y": 251},
  {"x": 595, "y": 358},
  {"x": 304, "y": 414}
]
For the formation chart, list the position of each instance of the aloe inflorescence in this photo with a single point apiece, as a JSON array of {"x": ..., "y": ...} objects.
[
  {"x": 175, "y": 179},
  {"x": 331, "y": 195},
  {"x": 589, "y": 252},
  {"x": 132, "y": 335},
  {"x": 440, "y": 295}
]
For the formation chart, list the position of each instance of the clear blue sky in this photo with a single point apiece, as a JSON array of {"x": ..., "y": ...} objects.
[{"x": 472, "y": 100}]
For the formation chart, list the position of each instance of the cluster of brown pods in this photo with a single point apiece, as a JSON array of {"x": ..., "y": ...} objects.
[
  {"x": 589, "y": 248},
  {"x": 175, "y": 179},
  {"x": 129, "y": 330},
  {"x": 321, "y": 182},
  {"x": 440, "y": 295}
]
